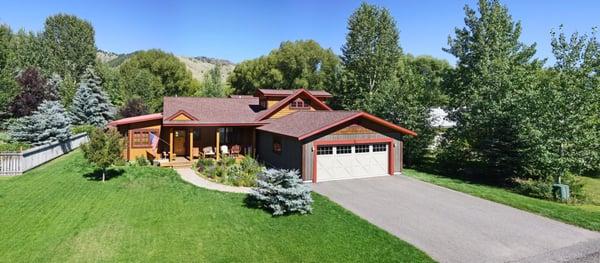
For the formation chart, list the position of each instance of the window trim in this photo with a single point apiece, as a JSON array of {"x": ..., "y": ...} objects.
[
  {"x": 329, "y": 152},
  {"x": 337, "y": 148},
  {"x": 143, "y": 130},
  {"x": 385, "y": 147},
  {"x": 362, "y": 145},
  {"x": 304, "y": 106}
]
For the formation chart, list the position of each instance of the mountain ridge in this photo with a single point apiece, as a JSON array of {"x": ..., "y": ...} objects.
[{"x": 197, "y": 65}]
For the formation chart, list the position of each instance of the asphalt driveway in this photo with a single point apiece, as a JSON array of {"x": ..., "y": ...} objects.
[{"x": 454, "y": 227}]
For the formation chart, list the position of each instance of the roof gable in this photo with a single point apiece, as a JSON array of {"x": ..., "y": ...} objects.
[
  {"x": 315, "y": 102},
  {"x": 287, "y": 92},
  {"x": 182, "y": 115}
]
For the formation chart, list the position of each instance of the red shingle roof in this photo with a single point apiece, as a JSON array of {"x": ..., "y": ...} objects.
[
  {"x": 136, "y": 119},
  {"x": 211, "y": 110},
  {"x": 287, "y": 92},
  {"x": 303, "y": 124}
]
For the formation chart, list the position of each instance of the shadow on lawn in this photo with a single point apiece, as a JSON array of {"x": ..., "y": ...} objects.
[{"x": 96, "y": 175}]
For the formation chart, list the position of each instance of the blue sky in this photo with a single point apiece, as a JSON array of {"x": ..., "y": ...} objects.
[{"x": 239, "y": 30}]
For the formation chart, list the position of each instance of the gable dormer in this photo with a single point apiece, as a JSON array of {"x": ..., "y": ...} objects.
[
  {"x": 299, "y": 100},
  {"x": 268, "y": 98}
]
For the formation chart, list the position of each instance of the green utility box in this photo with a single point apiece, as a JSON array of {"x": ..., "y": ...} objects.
[{"x": 561, "y": 192}]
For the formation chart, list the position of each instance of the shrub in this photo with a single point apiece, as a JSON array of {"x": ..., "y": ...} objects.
[
  {"x": 282, "y": 192},
  {"x": 142, "y": 161},
  {"x": 13, "y": 147},
  {"x": 534, "y": 188},
  {"x": 542, "y": 188},
  {"x": 204, "y": 163},
  {"x": 228, "y": 171},
  {"x": 87, "y": 128}
]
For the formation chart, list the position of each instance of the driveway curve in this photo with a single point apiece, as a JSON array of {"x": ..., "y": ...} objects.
[{"x": 455, "y": 227}]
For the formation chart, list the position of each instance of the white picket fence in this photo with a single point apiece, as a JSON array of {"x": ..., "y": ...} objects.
[{"x": 16, "y": 163}]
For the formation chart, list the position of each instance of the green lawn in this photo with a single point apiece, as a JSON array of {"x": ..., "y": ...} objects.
[
  {"x": 55, "y": 213},
  {"x": 586, "y": 215},
  {"x": 592, "y": 189}
]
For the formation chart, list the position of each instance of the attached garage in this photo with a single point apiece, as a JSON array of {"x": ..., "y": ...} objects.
[
  {"x": 350, "y": 161},
  {"x": 334, "y": 145}
]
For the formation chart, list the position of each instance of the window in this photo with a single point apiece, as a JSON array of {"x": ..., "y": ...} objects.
[
  {"x": 300, "y": 104},
  {"x": 343, "y": 149},
  {"x": 226, "y": 135},
  {"x": 324, "y": 150},
  {"x": 141, "y": 138},
  {"x": 277, "y": 144},
  {"x": 379, "y": 147},
  {"x": 361, "y": 148}
]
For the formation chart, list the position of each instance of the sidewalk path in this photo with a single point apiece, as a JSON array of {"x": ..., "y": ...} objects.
[{"x": 191, "y": 177}]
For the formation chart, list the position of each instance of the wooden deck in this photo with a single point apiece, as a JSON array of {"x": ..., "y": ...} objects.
[{"x": 178, "y": 162}]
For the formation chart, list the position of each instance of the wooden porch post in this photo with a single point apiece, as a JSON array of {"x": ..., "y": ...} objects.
[
  {"x": 170, "y": 144},
  {"x": 191, "y": 131},
  {"x": 253, "y": 142},
  {"x": 218, "y": 148}
]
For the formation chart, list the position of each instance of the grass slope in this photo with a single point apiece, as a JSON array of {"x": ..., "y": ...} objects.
[
  {"x": 586, "y": 216},
  {"x": 147, "y": 214}
]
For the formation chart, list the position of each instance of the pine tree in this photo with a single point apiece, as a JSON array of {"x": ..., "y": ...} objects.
[
  {"x": 91, "y": 104},
  {"x": 47, "y": 124},
  {"x": 493, "y": 68},
  {"x": 282, "y": 192}
]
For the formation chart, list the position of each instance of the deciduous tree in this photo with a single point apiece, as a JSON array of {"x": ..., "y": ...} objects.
[
  {"x": 297, "y": 64},
  {"x": 104, "y": 149}
]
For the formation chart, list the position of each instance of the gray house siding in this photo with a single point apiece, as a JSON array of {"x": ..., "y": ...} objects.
[{"x": 291, "y": 151}]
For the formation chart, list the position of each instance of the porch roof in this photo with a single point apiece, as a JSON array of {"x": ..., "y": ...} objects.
[{"x": 136, "y": 119}]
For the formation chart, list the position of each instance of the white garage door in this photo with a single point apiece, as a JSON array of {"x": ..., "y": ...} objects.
[{"x": 336, "y": 162}]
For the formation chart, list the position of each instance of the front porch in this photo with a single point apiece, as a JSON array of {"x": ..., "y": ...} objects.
[{"x": 181, "y": 146}]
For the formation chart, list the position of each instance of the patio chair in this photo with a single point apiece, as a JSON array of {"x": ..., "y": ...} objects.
[
  {"x": 208, "y": 152},
  {"x": 224, "y": 150},
  {"x": 195, "y": 152},
  {"x": 235, "y": 150}
]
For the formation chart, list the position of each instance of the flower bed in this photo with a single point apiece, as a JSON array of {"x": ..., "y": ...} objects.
[{"x": 230, "y": 171}]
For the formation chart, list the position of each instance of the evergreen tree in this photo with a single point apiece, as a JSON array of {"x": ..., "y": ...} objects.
[
  {"x": 34, "y": 90},
  {"x": 369, "y": 56},
  {"x": 493, "y": 68},
  {"x": 47, "y": 124},
  {"x": 91, "y": 104}
]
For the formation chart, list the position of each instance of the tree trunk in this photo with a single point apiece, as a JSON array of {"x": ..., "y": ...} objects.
[{"x": 103, "y": 172}]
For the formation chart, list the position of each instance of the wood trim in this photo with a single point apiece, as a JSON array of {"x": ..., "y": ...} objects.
[
  {"x": 389, "y": 141},
  {"x": 365, "y": 115},
  {"x": 218, "y": 143},
  {"x": 180, "y": 112},
  {"x": 129, "y": 145},
  {"x": 213, "y": 124},
  {"x": 171, "y": 144},
  {"x": 191, "y": 132},
  {"x": 282, "y": 103}
]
